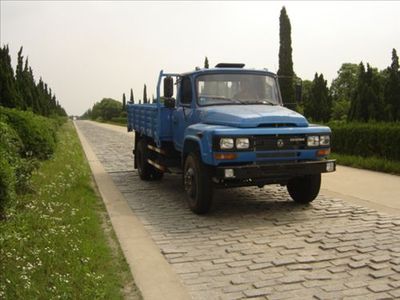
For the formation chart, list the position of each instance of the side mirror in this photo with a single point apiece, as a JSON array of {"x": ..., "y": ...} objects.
[
  {"x": 168, "y": 87},
  {"x": 298, "y": 92},
  {"x": 169, "y": 102}
]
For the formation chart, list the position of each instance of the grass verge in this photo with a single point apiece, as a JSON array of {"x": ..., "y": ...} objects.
[
  {"x": 58, "y": 242},
  {"x": 369, "y": 163}
]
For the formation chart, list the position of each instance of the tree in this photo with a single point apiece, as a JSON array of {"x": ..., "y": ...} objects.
[
  {"x": 206, "y": 66},
  {"x": 285, "y": 72},
  {"x": 342, "y": 90},
  {"x": 144, "y": 94},
  {"x": 367, "y": 103},
  {"x": 9, "y": 94},
  {"x": 123, "y": 101},
  {"x": 35, "y": 97},
  {"x": 317, "y": 104},
  {"x": 106, "y": 109},
  {"x": 132, "y": 99},
  {"x": 392, "y": 89}
]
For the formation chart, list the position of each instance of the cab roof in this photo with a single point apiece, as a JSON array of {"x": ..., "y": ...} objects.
[{"x": 228, "y": 70}]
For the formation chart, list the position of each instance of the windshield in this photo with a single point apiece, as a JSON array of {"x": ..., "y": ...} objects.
[{"x": 223, "y": 89}]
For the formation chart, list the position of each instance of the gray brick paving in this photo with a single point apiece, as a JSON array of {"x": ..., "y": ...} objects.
[{"x": 257, "y": 243}]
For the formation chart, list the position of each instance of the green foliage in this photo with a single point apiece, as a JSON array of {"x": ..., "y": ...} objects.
[
  {"x": 367, "y": 104},
  {"x": 340, "y": 110},
  {"x": 317, "y": 102},
  {"x": 366, "y": 139},
  {"x": 106, "y": 109},
  {"x": 119, "y": 120},
  {"x": 7, "y": 181},
  {"x": 11, "y": 148},
  {"x": 38, "y": 134},
  {"x": 344, "y": 86},
  {"x": 392, "y": 89},
  {"x": 285, "y": 72},
  {"x": 342, "y": 90},
  {"x": 9, "y": 94}
]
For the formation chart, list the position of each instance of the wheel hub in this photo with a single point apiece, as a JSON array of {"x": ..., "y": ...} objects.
[{"x": 189, "y": 181}]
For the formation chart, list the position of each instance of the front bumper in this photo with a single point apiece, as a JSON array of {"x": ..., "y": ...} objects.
[{"x": 275, "y": 172}]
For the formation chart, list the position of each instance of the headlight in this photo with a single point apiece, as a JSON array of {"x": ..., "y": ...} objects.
[
  {"x": 242, "y": 143},
  {"x": 324, "y": 140},
  {"x": 313, "y": 141},
  {"x": 226, "y": 143}
]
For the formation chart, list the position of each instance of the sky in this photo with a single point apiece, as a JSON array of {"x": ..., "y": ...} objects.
[{"x": 87, "y": 51}]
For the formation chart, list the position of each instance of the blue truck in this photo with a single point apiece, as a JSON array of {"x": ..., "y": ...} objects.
[{"x": 227, "y": 127}]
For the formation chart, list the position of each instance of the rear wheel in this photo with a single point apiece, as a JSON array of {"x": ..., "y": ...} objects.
[
  {"x": 145, "y": 170},
  {"x": 304, "y": 189},
  {"x": 198, "y": 185}
]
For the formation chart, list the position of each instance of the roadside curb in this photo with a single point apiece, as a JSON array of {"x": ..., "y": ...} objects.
[{"x": 152, "y": 274}]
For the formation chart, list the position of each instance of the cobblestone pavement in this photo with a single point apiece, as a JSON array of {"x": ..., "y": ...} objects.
[{"x": 257, "y": 243}]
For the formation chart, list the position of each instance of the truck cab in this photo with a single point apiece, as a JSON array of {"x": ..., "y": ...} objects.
[{"x": 227, "y": 127}]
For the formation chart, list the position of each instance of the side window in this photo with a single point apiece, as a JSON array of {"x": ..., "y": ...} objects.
[{"x": 186, "y": 91}]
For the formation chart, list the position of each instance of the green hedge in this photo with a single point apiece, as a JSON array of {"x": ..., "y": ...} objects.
[
  {"x": 24, "y": 138},
  {"x": 7, "y": 181},
  {"x": 38, "y": 134},
  {"x": 120, "y": 120},
  {"x": 367, "y": 139}
]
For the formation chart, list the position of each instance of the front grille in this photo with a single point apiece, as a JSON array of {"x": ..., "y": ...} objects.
[{"x": 279, "y": 142}]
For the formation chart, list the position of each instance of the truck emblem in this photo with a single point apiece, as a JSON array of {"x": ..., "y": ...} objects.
[
  {"x": 279, "y": 143},
  {"x": 297, "y": 139}
]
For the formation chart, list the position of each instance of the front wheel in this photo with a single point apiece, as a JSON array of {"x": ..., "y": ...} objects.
[
  {"x": 304, "y": 189},
  {"x": 198, "y": 184}
]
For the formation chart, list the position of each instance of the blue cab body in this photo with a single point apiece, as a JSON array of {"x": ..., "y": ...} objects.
[{"x": 277, "y": 137}]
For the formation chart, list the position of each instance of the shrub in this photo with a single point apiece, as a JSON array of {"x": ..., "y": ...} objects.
[
  {"x": 367, "y": 139},
  {"x": 7, "y": 181},
  {"x": 9, "y": 139},
  {"x": 38, "y": 134},
  {"x": 120, "y": 120},
  {"x": 11, "y": 149}
]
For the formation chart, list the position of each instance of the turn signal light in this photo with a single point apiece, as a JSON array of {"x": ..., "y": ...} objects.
[
  {"x": 225, "y": 156},
  {"x": 323, "y": 152}
]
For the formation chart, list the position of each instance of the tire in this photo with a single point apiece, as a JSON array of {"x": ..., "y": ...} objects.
[
  {"x": 304, "y": 189},
  {"x": 198, "y": 184},
  {"x": 146, "y": 171}
]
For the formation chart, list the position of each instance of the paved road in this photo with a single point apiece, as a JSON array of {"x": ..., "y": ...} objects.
[{"x": 257, "y": 243}]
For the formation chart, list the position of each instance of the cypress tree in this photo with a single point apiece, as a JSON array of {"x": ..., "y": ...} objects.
[
  {"x": 285, "y": 72},
  {"x": 144, "y": 94},
  {"x": 35, "y": 97},
  {"x": 123, "y": 102},
  {"x": 132, "y": 99},
  {"x": 318, "y": 104},
  {"x": 9, "y": 94},
  {"x": 356, "y": 105},
  {"x": 392, "y": 89},
  {"x": 206, "y": 66},
  {"x": 367, "y": 103}
]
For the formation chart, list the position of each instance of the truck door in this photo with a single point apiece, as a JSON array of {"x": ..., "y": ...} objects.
[{"x": 182, "y": 116}]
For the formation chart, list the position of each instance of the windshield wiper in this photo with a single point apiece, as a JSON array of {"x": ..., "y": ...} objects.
[
  {"x": 263, "y": 101},
  {"x": 225, "y": 99}
]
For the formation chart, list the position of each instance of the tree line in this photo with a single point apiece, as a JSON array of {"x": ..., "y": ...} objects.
[
  {"x": 21, "y": 91},
  {"x": 109, "y": 109},
  {"x": 358, "y": 93}
]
